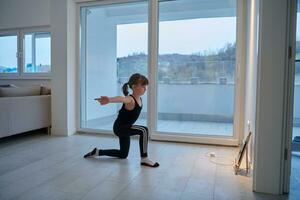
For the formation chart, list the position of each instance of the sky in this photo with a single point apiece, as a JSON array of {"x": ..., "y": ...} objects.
[{"x": 180, "y": 36}]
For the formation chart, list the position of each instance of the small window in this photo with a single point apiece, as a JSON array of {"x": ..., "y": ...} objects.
[
  {"x": 37, "y": 53},
  {"x": 25, "y": 53},
  {"x": 8, "y": 54}
]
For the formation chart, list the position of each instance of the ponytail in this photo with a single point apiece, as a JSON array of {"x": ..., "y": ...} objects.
[{"x": 125, "y": 89}]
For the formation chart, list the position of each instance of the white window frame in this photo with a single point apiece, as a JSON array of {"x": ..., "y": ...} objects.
[
  {"x": 238, "y": 125},
  {"x": 21, "y": 32}
]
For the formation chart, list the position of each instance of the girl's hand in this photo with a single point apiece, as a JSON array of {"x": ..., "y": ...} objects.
[{"x": 103, "y": 100}]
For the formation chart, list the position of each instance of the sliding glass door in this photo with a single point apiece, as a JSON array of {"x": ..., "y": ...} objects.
[
  {"x": 114, "y": 41},
  {"x": 196, "y": 67},
  {"x": 191, "y": 65}
]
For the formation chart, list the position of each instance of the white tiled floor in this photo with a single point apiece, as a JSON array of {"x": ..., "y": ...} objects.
[{"x": 38, "y": 166}]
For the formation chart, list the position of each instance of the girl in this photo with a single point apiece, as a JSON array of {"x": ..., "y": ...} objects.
[{"x": 123, "y": 125}]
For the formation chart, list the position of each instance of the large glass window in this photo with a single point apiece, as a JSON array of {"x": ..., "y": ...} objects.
[
  {"x": 114, "y": 42},
  {"x": 8, "y": 54},
  {"x": 196, "y": 67},
  {"x": 192, "y": 72},
  {"x": 37, "y": 54}
]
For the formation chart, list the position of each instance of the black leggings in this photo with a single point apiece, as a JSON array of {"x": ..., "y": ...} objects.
[{"x": 124, "y": 133}]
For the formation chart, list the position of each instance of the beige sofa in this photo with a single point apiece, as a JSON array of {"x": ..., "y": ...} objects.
[{"x": 24, "y": 109}]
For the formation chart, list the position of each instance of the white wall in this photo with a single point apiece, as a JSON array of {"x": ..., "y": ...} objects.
[
  {"x": 251, "y": 70},
  {"x": 59, "y": 52},
  {"x": 270, "y": 96},
  {"x": 209, "y": 99},
  {"x": 63, "y": 61},
  {"x": 20, "y": 13},
  {"x": 72, "y": 83}
]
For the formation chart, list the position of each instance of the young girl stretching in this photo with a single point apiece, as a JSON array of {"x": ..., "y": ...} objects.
[{"x": 123, "y": 125}]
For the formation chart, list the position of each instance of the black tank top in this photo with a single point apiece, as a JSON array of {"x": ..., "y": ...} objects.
[{"x": 128, "y": 117}]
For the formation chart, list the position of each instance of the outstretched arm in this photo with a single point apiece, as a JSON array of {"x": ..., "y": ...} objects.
[{"x": 103, "y": 100}]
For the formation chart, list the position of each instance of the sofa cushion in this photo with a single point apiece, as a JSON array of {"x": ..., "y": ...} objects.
[{"x": 20, "y": 91}]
